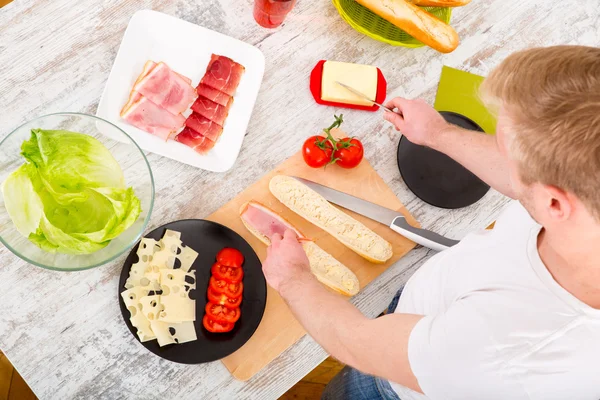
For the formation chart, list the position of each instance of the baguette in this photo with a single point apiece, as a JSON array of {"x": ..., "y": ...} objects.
[
  {"x": 440, "y": 3},
  {"x": 417, "y": 22},
  {"x": 313, "y": 207},
  {"x": 323, "y": 265}
]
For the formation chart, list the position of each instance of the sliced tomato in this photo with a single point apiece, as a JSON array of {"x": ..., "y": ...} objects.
[
  {"x": 229, "y": 274},
  {"x": 222, "y": 299},
  {"x": 221, "y": 313},
  {"x": 232, "y": 290},
  {"x": 216, "y": 326},
  {"x": 218, "y": 285},
  {"x": 230, "y": 257}
]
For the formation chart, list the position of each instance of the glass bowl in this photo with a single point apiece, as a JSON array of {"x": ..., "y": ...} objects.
[{"x": 135, "y": 168}]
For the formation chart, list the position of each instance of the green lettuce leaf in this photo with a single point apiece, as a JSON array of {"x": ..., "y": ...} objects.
[{"x": 70, "y": 196}]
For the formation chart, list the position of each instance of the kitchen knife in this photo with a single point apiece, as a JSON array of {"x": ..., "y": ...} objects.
[
  {"x": 364, "y": 96},
  {"x": 383, "y": 215}
]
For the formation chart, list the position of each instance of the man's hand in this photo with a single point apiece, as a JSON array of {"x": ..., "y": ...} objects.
[
  {"x": 286, "y": 261},
  {"x": 419, "y": 122}
]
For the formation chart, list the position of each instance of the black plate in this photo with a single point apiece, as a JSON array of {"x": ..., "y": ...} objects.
[
  {"x": 207, "y": 238},
  {"x": 436, "y": 178}
]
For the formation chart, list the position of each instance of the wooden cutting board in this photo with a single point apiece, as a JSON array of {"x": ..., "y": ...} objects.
[{"x": 279, "y": 329}]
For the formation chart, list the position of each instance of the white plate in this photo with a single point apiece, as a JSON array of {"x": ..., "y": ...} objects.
[{"x": 186, "y": 48}]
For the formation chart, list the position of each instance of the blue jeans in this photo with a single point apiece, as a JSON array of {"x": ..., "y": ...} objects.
[{"x": 351, "y": 384}]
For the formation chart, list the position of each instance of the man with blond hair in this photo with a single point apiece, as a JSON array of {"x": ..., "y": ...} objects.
[{"x": 512, "y": 313}]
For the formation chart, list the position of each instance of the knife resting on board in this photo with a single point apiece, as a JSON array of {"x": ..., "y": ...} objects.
[{"x": 382, "y": 215}]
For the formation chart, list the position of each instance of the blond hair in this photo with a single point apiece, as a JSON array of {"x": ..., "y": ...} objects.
[{"x": 552, "y": 97}]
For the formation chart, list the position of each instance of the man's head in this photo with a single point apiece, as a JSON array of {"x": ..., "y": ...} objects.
[{"x": 548, "y": 104}]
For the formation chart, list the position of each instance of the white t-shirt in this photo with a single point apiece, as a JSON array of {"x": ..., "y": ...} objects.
[{"x": 497, "y": 325}]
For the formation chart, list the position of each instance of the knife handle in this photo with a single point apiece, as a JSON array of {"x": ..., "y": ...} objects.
[{"x": 420, "y": 236}]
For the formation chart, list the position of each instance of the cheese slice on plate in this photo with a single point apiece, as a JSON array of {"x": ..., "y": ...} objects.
[
  {"x": 145, "y": 254},
  {"x": 177, "y": 307},
  {"x": 187, "y": 257},
  {"x": 151, "y": 306},
  {"x": 362, "y": 78},
  {"x": 175, "y": 280},
  {"x": 169, "y": 333},
  {"x": 131, "y": 297},
  {"x": 138, "y": 320},
  {"x": 171, "y": 241}
]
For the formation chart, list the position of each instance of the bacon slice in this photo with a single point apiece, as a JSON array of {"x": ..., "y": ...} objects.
[
  {"x": 204, "y": 126},
  {"x": 223, "y": 74},
  {"x": 149, "y": 117},
  {"x": 195, "y": 140},
  {"x": 167, "y": 89},
  {"x": 211, "y": 110},
  {"x": 214, "y": 95}
]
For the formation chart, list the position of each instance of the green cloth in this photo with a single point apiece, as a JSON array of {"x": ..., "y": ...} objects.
[{"x": 458, "y": 92}]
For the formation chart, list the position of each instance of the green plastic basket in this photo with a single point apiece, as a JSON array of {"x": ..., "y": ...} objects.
[{"x": 367, "y": 22}]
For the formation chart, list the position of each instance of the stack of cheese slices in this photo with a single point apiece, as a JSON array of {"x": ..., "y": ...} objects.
[{"x": 158, "y": 293}]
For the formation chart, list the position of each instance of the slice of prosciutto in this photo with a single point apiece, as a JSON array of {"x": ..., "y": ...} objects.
[
  {"x": 167, "y": 89},
  {"x": 204, "y": 126},
  {"x": 223, "y": 74},
  {"x": 151, "y": 64},
  {"x": 266, "y": 221},
  {"x": 211, "y": 110},
  {"x": 150, "y": 118},
  {"x": 195, "y": 140},
  {"x": 134, "y": 95},
  {"x": 213, "y": 94}
]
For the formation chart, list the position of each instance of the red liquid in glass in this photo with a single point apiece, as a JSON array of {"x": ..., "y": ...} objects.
[{"x": 271, "y": 13}]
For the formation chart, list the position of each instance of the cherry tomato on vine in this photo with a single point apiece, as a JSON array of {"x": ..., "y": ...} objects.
[
  {"x": 317, "y": 151},
  {"x": 349, "y": 153}
]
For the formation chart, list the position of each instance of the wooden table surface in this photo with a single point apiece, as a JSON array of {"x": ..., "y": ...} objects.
[{"x": 64, "y": 331}]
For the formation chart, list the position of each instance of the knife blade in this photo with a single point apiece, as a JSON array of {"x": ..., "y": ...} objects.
[
  {"x": 364, "y": 96},
  {"x": 383, "y": 215}
]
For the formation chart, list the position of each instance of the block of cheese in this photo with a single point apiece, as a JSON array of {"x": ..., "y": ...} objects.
[{"x": 360, "y": 77}]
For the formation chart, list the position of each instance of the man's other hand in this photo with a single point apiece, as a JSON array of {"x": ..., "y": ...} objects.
[
  {"x": 286, "y": 261},
  {"x": 417, "y": 120}
]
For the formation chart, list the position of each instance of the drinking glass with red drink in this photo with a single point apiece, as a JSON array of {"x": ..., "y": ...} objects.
[{"x": 271, "y": 13}]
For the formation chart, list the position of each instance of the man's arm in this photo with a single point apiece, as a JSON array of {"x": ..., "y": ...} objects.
[
  {"x": 374, "y": 346},
  {"x": 480, "y": 154}
]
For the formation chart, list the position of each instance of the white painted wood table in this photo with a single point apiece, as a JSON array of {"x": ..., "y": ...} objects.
[{"x": 64, "y": 331}]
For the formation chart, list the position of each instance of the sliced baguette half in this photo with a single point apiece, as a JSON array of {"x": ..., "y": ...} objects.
[
  {"x": 313, "y": 207},
  {"x": 323, "y": 265}
]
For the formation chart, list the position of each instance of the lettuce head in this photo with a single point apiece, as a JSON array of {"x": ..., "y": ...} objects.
[{"x": 70, "y": 195}]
